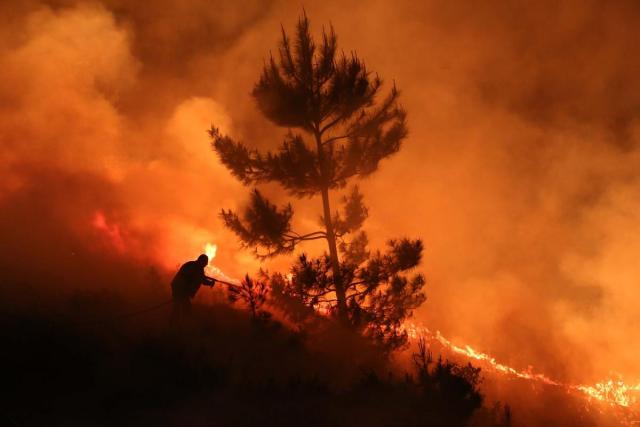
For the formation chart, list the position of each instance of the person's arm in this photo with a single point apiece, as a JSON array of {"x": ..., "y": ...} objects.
[{"x": 208, "y": 281}]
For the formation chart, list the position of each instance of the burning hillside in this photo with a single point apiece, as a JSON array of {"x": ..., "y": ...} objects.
[{"x": 484, "y": 157}]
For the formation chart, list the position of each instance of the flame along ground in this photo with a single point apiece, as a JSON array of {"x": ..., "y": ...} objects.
[{"x": 615, "y": 393}]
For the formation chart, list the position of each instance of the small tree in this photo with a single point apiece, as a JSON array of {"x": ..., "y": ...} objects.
[
  {"x": 338, "y": 130},
  {"x": 251, "y": 292},
  {"x": 448, "y": 384}
]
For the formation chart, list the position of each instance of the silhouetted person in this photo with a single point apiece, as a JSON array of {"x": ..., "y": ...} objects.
[{"x": 186, "y": 283}]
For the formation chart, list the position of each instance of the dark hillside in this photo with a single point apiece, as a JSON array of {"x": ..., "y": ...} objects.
[{"x": 219, "y": 368}]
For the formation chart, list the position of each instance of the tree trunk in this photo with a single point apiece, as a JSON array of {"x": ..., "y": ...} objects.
[
  {"x": 335, "y": 261},
  {"x": 331, "y": 237}
]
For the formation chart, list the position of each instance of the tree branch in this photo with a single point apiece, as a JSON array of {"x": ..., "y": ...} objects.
[
  {"x": 332, "y": 123},
  {"x": 335, "y": 138},
  {"x": 310, "y": 236},
  {"x": 365, "y": 292},
  {"x": 313, "y": 238}
]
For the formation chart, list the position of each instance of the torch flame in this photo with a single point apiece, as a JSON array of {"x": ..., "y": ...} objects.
[{"x": 210, "y": 250}]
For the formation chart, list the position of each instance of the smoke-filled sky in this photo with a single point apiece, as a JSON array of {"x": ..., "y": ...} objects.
[{"x": 520, "y": 172}]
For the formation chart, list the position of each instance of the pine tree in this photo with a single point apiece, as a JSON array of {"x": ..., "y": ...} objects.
[{"x": 338, "y": 129}]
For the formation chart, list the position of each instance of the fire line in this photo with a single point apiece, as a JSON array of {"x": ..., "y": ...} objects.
[{"x": 611, "y": 392}]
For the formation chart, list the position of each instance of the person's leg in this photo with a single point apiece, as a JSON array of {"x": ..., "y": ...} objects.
[
  {"x": 186, "y": 307},
  {"x": 175, "y": 311},
  {"x": 180, "y": 310}
]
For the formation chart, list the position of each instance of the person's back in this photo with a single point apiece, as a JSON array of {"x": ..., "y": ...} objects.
[
  {"x": 187, "y": 280},
  {"x": 186, "y": 283}
]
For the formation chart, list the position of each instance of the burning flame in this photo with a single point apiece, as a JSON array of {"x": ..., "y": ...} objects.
[
  {"x": 210, "y": 250},
  {"x": 611, "y": 392}
]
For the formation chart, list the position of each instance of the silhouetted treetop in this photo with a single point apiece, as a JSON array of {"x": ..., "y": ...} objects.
[
  {"x": 333, "y": 100},
  {"x": 309, "y": 84}
]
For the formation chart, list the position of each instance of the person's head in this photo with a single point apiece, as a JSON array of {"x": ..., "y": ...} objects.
[{"x": 203, "y": 260}]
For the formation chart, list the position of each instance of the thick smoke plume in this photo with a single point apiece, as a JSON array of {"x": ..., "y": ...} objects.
[{"x": 520, "y": 174}]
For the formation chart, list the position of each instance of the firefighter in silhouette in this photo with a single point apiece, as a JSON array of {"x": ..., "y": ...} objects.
[{"x": 186, "y": 283}]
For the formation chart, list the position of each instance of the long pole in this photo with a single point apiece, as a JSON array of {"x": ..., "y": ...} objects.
[{"x": 233, "y": 285}]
